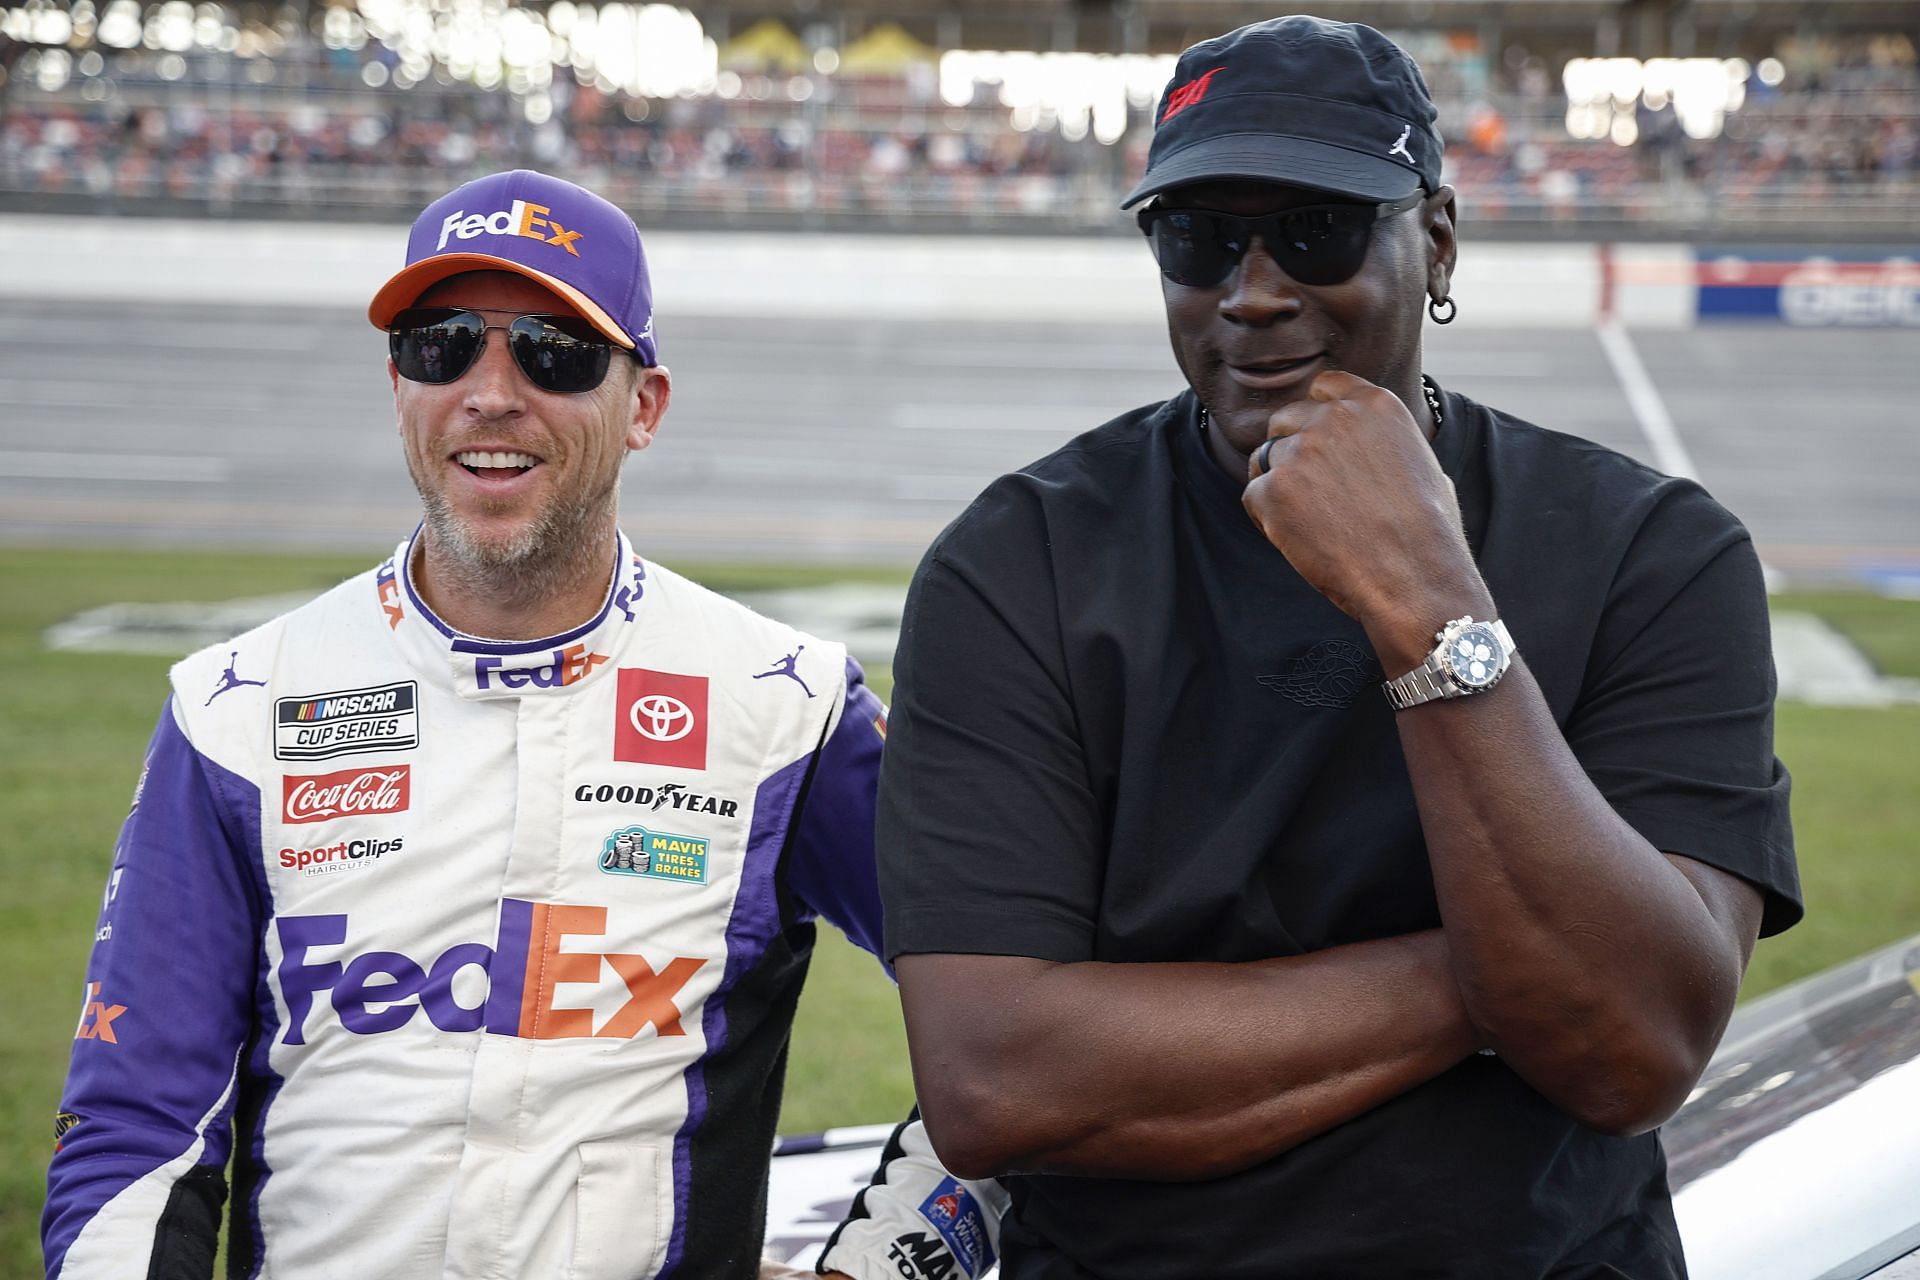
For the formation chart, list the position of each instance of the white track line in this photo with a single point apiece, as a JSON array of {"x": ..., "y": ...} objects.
[{"x": 1669, "y": 454}]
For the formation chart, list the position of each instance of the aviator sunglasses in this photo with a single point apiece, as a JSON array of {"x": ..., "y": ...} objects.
[
  {"x": 564, "y": 354},
  {"x": 1317, "y": 244}
]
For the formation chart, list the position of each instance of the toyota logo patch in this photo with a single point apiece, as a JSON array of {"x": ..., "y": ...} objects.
[{"x": 660, "y": 717}]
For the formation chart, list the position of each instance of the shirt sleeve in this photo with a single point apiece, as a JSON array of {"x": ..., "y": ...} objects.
[
  {"x": 913, "y": 1214},
  {"x": 137, "y": 1179},
  {"x": 991, "y": 836},
  {"x": 830, "y": 861},
  {"x": 1674, "y": 723}
]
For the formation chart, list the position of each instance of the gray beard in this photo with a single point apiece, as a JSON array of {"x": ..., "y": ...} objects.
[{"x": 557, "y": 550}]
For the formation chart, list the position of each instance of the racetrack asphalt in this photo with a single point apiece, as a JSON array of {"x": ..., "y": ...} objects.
[{"x": 837, "y": 440}]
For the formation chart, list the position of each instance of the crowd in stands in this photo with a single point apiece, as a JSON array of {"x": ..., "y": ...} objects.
[
  {"x": 212, "y": 133},
  {"x": 1845, "y": 136}
]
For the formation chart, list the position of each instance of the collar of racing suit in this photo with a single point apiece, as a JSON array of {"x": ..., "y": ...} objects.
[{"x": 482, "y": 669}]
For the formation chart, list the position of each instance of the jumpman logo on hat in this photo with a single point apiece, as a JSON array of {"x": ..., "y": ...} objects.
[
  {"x": 785, "y": 667},
  {"x": 1399, "y": 148},
  {"x": 230, "y": 679}
]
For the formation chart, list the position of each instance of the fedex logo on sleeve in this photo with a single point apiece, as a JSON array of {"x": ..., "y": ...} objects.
[
  {"x": 522, "y": 219},
  {"x": 515, "y": 990}
]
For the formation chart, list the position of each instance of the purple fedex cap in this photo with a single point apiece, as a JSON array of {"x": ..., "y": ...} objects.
[{"x": 563, "y": 236}]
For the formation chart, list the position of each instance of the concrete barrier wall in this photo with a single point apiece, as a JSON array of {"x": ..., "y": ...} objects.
[{"x": 1501, "y": 285}]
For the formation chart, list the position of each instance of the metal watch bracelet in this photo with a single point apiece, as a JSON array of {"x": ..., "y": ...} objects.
[{"x": 1428, "y": 683}]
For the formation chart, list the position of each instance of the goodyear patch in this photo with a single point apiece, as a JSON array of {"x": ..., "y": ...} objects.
[
  {"x": 636, "y": 851},
  {"x": 956, "y": 1215}
]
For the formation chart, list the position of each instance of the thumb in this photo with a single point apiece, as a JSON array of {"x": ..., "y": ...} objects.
[{"x": 1336, "y": 384}]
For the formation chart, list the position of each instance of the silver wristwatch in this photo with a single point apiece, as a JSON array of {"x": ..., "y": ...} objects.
[{"x": 1469, "y": 658}]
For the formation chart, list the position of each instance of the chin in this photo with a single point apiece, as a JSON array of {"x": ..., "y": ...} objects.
[
  {"x": 490, "y": 544},
  {"x": 1241, "y": 424},
  {"x": 503, "y": 550}
]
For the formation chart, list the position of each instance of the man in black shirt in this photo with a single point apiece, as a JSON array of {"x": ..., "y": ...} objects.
[{"x": 1237, "y": 967}]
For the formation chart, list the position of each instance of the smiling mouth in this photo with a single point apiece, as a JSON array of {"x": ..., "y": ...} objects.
[{"x": 488, "y": 465}]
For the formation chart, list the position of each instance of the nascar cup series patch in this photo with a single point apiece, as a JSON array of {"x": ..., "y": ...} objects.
[
  {"x": 344, "y": 721},
  {"x": 636, "y": 851}
]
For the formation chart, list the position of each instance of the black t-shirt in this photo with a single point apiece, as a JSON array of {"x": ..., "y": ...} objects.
[{"x": 1124, "y": 729}]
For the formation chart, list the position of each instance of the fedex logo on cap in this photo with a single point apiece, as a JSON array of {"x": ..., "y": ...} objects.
[
  {"x": 515, "y": 989},
  {"x": 522, "y": 219}
]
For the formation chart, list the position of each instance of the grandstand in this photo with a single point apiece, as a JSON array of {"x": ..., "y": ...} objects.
[{"x": 1738, "y": 121}]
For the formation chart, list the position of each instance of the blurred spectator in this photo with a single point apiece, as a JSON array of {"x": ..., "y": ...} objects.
[{"x": 323, "y": 127}]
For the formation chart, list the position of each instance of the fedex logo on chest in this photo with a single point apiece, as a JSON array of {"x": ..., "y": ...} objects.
[{"x": 510, "y": 988}]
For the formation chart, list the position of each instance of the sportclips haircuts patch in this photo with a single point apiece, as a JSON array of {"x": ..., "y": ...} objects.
[{"x": 380, "y": 718}]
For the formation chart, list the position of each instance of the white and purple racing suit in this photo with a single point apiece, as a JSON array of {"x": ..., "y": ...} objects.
[{"x": 477, "y": 959}]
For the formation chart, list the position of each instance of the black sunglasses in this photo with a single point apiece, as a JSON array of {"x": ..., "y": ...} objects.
[
  {"x": 564, "y": 354},
  {"x": 1316, "y": 244}
]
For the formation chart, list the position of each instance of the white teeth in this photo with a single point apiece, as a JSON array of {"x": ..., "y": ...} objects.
[{"x": 473, "y": 458}]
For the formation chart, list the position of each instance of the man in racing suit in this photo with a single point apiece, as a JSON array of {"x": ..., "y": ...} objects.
[{"x": 478, "y": 956}]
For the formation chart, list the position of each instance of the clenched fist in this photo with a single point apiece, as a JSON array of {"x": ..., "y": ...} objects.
[{"x": 1349, "y": 490}]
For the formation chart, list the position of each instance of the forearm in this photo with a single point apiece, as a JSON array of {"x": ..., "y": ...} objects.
[
  {"x": 1589, "y": 960},
  {"x": 1600, "y": 969},
  {"x": 1179, "y": 1071}
]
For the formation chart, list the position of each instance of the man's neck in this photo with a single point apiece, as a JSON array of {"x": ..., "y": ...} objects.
[{"x": 520, "y": 603}]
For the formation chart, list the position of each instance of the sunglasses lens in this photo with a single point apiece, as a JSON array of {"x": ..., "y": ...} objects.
[
  {"x": 435, "y": 344},
  {"x": 1322, "y": 246},
  {"x": 560, "y": 354},
  {"x": 1196, "y": 248},
  {"x": 1316, "y": 246}
]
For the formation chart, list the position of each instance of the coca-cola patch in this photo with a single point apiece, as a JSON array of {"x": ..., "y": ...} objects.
[{"x": 348, "y": 793}]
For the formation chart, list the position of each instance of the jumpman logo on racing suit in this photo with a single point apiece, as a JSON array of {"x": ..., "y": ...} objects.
[
  {"x": 785, "y": 667},
  {"x": 229, "y": 679},
  {"x": 1399, "y": 148}
]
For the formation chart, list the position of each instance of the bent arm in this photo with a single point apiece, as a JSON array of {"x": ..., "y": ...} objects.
[
  {"x": 1170, "y": 1071},
  {"x": 912, "y": 1210},
  {"x": 1601, "y": 969},
  {"x": 137, "y": 1180},
  {"x": 1030, "y": 1056},
  {"x": 828, "y": 863}
]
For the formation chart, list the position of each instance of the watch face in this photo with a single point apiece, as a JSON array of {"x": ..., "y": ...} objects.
[{"x": 1474, "y": 656}]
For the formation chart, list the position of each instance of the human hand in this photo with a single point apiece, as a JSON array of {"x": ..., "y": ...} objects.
[
  {"x": 772, "y": 1270},
  {"x": 1349, "y": 490}
]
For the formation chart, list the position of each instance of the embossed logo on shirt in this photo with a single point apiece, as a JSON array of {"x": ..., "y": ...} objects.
[{"x": 1331, "y": 674}]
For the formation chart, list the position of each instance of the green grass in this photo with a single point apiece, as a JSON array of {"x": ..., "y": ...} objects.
[
  {"x": 72, "y": 727},
  {"x": 1856, "y": 819},
  {"x": 1886, "y": 630}
]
